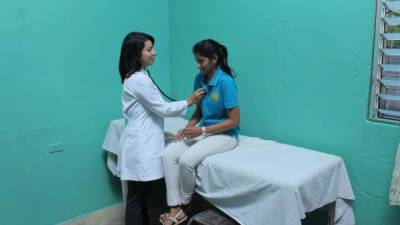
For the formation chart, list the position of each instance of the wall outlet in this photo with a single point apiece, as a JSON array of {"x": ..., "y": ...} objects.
[{"x": 56, "y": 147}]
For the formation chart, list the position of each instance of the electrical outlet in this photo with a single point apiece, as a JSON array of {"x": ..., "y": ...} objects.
[{"x": 56, "y": 147}]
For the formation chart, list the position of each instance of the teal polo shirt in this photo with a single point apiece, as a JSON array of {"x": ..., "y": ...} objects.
[{"x": 221, "y": 94}]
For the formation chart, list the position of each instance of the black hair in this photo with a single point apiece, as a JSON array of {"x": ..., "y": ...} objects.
[
  {"x": 210, "y": 48},
  {"x": 131, "y": 50}
]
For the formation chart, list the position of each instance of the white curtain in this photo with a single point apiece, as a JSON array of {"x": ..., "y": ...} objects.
[{"x": 395, "y": 188}]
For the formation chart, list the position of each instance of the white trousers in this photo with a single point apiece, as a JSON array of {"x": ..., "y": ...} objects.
[{"x": 181, "y": 159}]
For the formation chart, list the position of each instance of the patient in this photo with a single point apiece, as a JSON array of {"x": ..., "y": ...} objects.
[{"x": 218, "y": 117}]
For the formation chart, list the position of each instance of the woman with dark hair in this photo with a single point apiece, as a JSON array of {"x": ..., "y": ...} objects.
[
  {"x": 142, "y": 139},
  {"x": 218, "y": 117}
]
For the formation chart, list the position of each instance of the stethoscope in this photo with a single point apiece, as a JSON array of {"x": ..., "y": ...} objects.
[{"x": 162, "y": 92}]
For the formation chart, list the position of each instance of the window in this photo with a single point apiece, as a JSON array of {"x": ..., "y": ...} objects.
[{"x": 385, "y": 87}]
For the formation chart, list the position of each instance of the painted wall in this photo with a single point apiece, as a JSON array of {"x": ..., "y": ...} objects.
[
  {"x": 303, "y": 73},
  {"x": 59, "y": 83}
]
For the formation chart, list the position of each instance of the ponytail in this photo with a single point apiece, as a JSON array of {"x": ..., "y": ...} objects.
[{"x": 223, "y": 59}]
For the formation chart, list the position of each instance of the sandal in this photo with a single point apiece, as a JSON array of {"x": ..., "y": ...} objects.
[{"x": 175, "y": 220}]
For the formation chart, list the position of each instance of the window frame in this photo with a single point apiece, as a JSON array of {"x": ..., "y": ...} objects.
[{"x": 376, "y": 70}]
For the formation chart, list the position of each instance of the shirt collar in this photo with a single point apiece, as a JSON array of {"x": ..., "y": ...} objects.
[{"x": 215, "y": 79}]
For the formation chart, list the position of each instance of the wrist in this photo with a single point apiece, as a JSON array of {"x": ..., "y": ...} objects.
[
  {"x": 189, "y": 101},
  {"x": 203, "y": 131}
]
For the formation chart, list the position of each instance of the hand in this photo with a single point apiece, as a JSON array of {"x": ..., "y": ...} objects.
[
  {"x": 169, "y": 135},
  {"x": 196, "y": 96},
  {"x": 188, "y": 132},
  {"x": 179, "y": 135}
]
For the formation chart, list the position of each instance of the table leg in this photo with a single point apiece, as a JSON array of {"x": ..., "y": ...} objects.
[{"x": 331, "y": 213}]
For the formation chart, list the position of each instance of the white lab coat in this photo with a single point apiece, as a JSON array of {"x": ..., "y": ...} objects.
[{"x": 142, "y": 139}]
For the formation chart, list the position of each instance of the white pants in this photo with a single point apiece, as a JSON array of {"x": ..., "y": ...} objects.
[{"x": 181, "y": 158}]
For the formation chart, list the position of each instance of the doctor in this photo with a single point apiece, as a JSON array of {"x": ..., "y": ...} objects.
[{"x": 144, "y": 109}]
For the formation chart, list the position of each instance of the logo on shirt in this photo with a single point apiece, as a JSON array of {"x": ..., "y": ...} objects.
[{"x": 214, "y": 96}]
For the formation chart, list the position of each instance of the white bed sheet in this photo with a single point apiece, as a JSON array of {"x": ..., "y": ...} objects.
[{"x": 263, "y": 182}]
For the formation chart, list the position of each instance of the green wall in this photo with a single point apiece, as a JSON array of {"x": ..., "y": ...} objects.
[
  {"x": 303, "y": 76},
  {"x": 59, "y": 83},
  {"x": 303, "y": 73}
]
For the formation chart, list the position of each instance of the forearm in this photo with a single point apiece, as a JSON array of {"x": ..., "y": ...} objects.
[
  {"x": 231, "y": 122},
  {"x": 222, "y": 126},
  {"x": 196, "y": 116},
  {"x": 192, "y": 122}
]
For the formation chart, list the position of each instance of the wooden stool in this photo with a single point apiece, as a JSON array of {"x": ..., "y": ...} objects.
[
  {"x": 331, "y": 213},
  {"x": 209, "y": 217}
]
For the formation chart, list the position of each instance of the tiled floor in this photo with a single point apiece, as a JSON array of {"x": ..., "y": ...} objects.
[
  {"x": 114, "y": 215},
  {"x": 109, "y": 216}
]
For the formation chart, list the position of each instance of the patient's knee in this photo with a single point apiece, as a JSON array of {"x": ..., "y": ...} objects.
[
  {"x": 187, "y": 163},
  {"x": 171, "y": 153}
]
